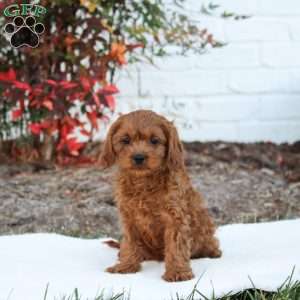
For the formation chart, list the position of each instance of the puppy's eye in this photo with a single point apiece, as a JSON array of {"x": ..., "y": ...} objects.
[
  {"x": 125, "y": 140},
  {"x": 154, "y": 140}
]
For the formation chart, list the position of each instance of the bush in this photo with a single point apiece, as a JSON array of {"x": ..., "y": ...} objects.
[{"x": 66, "y": 84}]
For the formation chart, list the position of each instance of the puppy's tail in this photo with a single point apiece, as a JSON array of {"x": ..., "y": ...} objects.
[{"x": 112, "y": 244}]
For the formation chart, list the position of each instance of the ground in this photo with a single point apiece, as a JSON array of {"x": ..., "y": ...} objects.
[{"x": 240, "y": 182}]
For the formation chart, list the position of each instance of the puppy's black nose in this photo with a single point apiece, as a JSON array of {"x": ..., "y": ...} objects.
[{"x": 138, "y": 158}]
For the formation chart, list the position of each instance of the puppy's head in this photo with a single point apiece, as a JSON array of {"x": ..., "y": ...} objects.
[{"x": 142, "y": 142}]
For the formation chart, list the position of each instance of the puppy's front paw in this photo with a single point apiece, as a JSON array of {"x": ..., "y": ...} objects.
[
  {"x": 178, "y": 276},
  {"x": 216, "y": 253},
  {"x": 124, "y": 268}
]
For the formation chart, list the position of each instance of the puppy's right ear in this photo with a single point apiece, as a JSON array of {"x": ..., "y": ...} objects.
[{"x": 108, "y": 156}]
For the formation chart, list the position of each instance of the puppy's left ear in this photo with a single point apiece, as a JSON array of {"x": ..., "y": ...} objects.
[
  {"x": 108, "y": 156},
  {"x": 175, "y": 158}
]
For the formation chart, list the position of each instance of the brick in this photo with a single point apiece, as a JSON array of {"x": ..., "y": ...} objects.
[
  {"x": 185, "y": 83},
  {"x": 250, "y": 119},
  {"x": 225, "y": 108},
  {"x": 162, "y": 105},
  {"x": 230, "y": 56},
  {"x": 278, "y": 131},
  {"x": 211, "y": 131},
  {"x": 174, "y": 63},
  {"x": 241, "y": 7},
  {"x": 259, "y": 81},
  {"x": 295, "y": 29},
  {"x": 125, "y": 104},
  {"x": 127, "y": 82},
  {"x": 256, "y": 29},
  {"x": 247, "y": 91},
  {"x": 199, "y": 109},
  {"x": 281, "y": 55},
  {"x": 279, "y": 107},
  {"x": 215, "y": 26},
  {"x": 295, "y": 81},
  {"x": 279, "y": 7}
]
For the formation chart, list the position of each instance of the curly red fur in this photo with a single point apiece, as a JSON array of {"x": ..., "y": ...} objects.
[{"x": 163, "y": 217}]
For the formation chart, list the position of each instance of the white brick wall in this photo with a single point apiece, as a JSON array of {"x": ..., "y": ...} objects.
[{"x": 247, "y": 91}]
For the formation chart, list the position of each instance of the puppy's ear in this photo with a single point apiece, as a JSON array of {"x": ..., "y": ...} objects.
[
  {"x": 175, "y": 149},
  {"x": 108, "y": 156}
]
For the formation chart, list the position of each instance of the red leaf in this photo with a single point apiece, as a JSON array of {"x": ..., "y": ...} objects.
[
  {"x": 74, "y": 146},
  {"x": 50, "y": 126},
  {"x": 85, "y": 132},
  {"x": 60, "y": 145},
  {"x": 52, "y": 95},
  {"x": 35, "y": 103},
  {"x": 93, "y": 118},
  {"x": 97, "y": 100},
  {"x": 22, "y": 85},
  {"x": 110, "y": 100},
  {"x": 109, "y": 89},
  {"x": 77, "y": 95},
  {"x": 35, "y": 128},
  {"x": 117, "y": 53},
  {"x": 37, "y": 91},
  {"x": 71, "y": 122},
  {"x": 10, "y": 75},
  {"x": 7, "y": 93},
  {"x": 68, "y": 84},
  {"x": 86, "y": 84},
  {"x": 47, "y": 124},
  {"x": 64, "y": 131},
  {"x": 16, "y": 114},
  {"x": 51, "y": 82},
  {"x": 134, "y": 46},
  {"x": 48, "y": 104}
]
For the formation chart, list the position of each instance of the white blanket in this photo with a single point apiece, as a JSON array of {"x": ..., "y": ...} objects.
[{"x": 264, "y": 253}]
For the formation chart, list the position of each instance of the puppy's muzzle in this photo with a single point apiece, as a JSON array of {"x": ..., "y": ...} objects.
[{"x": 138, "y": 159}]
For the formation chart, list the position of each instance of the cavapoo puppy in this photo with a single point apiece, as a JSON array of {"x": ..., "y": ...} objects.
[{"x": 163, "y": 217}]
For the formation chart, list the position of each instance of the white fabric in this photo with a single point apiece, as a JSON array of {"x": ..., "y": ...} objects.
[{"x": 265, "y": 253}]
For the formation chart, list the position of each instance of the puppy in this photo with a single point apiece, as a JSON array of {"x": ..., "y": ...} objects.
[{"x": 163, "y": 217}]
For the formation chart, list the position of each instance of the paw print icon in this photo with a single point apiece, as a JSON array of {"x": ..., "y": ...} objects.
[{"x": 24, "y": 32}]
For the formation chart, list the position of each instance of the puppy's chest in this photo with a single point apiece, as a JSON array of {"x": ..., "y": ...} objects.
[
  {"x": 150, "y": 227},
  {"x": 145, "y": 211},
  {"x": 146, "y": 217}
]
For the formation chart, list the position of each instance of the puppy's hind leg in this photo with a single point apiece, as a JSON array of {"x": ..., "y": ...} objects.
[{"x": 209, "y": 247}]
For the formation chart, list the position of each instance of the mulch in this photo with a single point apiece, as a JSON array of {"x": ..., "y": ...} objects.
[{"x": 240, "y": 182}]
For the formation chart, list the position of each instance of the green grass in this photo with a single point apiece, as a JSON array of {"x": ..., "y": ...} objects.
[
  {"x": 289, "y": 290},
  {"x": 76, "y": 296}
]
